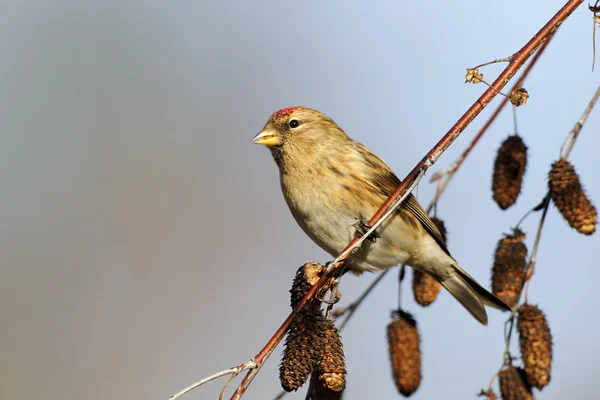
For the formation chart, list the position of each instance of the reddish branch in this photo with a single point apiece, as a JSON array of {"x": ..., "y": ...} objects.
[
  {"x": 450, "y": 171},
  {"x": 517, "y": 61}
]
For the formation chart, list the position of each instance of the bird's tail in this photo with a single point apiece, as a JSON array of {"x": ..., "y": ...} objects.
[{"x": 471, "y": 294}]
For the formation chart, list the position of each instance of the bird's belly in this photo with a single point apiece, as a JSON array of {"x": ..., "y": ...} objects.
[{"x": 332, "y": 229}]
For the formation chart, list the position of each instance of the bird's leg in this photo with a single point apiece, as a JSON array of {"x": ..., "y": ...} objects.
[
  {"x": 336, "y": 295},
  {"x": 362, "y": 228}
]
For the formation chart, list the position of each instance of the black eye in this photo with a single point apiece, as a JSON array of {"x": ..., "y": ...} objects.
[{"x": 294, "y": 123}]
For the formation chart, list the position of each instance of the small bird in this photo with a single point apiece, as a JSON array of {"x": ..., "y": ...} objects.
[{"x": 333, "y": 185}]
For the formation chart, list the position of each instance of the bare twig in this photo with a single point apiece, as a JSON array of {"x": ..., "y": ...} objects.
[
  {"x": 446, "y": 174},
  {"x": 505, "y": 59},
  {"x": 231, "y": 371},
  {"x": 337, "y": 267},
  {"x": 351, "y": 308},
  {"x": 595, "y": 21},
  {"x": 574, "y": 133}
]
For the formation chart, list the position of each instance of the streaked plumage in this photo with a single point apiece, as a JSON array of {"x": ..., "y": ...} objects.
[{"x": 330, "y": 182}]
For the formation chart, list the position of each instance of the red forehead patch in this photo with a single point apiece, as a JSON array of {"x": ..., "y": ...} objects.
[{"x": 284, "y": 112}]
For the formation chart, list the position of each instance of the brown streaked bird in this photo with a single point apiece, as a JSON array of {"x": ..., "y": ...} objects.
[{"x": 333, "y": 185}]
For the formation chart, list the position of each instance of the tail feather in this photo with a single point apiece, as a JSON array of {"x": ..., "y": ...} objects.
[
  {"x": 486, "y": 297},
  {"x": 464, "y": 293},
  {"x": 472, "y": 295}
]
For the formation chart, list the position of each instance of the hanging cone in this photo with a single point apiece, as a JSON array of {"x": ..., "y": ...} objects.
[
  {"x": 509, "y": 168},
  {"x": 509, "y": 268},
  {"x": 320, "y": 392},
  {"x": 330, "y": 365},
  {"x": 513, "y": 385},
  {"x": 535, "y": 341},
  {"x": 568, "y": 196},
  {"x": 405, "y": 352},
  {"x": 425, "y": 287},
  {"x": 302, "y": 343}
]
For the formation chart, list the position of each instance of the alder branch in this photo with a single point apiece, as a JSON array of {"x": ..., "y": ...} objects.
[
  {"x": 336, "y": 268},
  {"x": 445, "y": 175}
]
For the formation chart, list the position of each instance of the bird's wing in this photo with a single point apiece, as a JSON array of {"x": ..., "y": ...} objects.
[{"x": 385, "y": 181}]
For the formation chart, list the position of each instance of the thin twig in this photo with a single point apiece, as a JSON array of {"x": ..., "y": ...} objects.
[
  {"x": 505, "y": 59},
  {"x": 231, "y": 371},
  {"x": 538, "y": 235},
  {"x": 351, "y": 308},
  {"x": 448, "y": 173},
  {"x": 574, "y": 133}
]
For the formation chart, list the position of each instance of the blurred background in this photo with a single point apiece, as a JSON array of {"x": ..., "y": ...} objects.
[{"x": 144, "y": 241}]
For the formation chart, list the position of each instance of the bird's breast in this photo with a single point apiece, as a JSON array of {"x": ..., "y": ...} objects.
[{"x": 327, "y": 213}]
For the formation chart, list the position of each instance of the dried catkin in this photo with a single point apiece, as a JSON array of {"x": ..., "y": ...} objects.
[
  {"x": 513, "y": 385},
  {"x": 405, "y": 352},
  {"x": 425, "y": 287},
  {"x": 319, "y": 392},
  {"x": 570, "y": 199},
  {"x": 509, "y": 267},
  {"x": 509, "y": 168},
  {"x": 535, "y": 340},
  {"x": 330, "y": 365},
  {"x": 301, "y": 347}
]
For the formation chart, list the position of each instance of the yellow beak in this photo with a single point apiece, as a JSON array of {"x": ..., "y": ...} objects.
[{"x": 268, "y": 138}]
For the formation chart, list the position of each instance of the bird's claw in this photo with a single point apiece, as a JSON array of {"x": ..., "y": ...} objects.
[
  {"x": 362, "y": 228},
  {"x": 336, "y": 295}
]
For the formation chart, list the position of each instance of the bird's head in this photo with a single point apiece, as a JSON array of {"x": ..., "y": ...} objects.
[{"x": 298, "y": 127}]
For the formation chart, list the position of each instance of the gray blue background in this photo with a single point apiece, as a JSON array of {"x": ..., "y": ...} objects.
[{"x": 144, "y": 242}]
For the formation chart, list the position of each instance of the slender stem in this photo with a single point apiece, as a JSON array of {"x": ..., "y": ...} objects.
[
  {"x": 505, "y": 59},
  {"x": 351, "y": 309},
  {"x": 448, "y": 173},
  {"x": 574, "y": 133},
  {"x": 231, "y": 371}
]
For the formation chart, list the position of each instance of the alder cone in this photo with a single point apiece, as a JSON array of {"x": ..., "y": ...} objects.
[
  {"x": 302, "y": 344},
  {"x": 513, "y": 385},
  {"x": 570, "y": 199},
  {"x": 535, "y": 340},
  {"x": 425, "y": 287},
  {"x": 319, "y": 392},
  {"x": 330, "y": 365},
  {"x": 509, "y": 168},
  {"x": 405, "y": 352},
  {"x": 509, "y": 268}
]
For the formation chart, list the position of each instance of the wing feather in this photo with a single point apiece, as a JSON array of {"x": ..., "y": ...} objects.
[{"x": 385, "y": 181}]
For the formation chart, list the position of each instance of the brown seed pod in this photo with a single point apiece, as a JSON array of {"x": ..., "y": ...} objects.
[
  {"x": 405, "y": 352},
  {"x": 518, "y": 97},
  {"x": 330, "y": 365},
  {"x": 473, "y": 76},
  {"x": 509, "y": 168},
  {"x": 320, "y": 392},
  {"x": 302, "y": 344},
  {"x": 570, "y": 199},
  {"x": 509, "y": 267},
  {"x": 535, "y": 341},
  {"x": 425, "y": 287},
  {"x": 513, "y": 385}
]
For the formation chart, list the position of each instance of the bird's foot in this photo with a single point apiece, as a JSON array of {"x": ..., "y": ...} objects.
[
  {"x": 362, "y": 228},
  {"x": 336, "y": 295}
]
